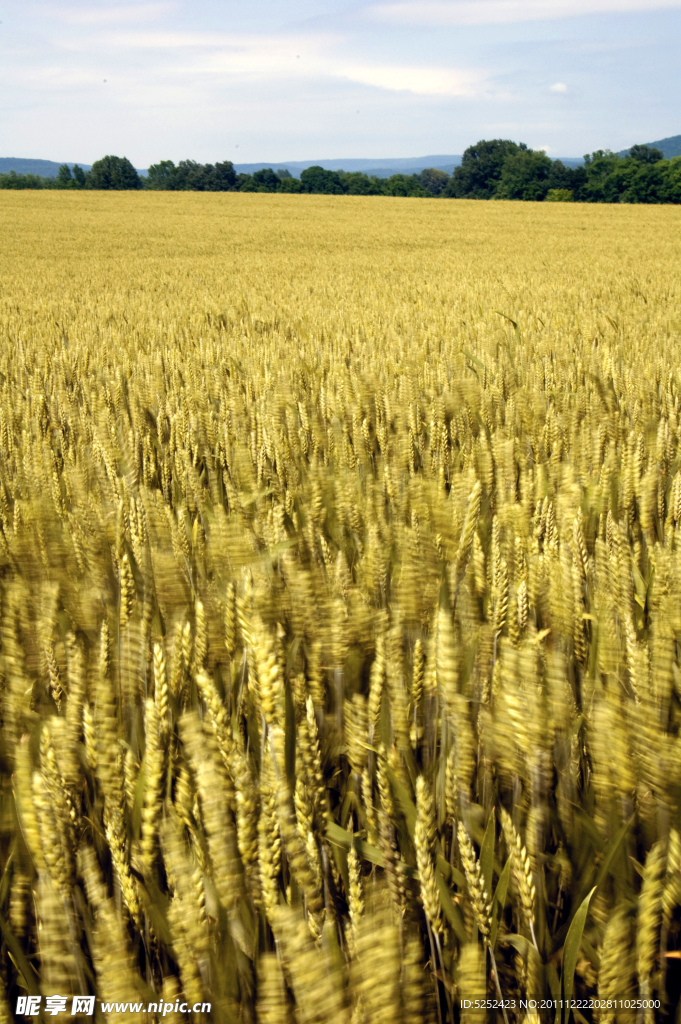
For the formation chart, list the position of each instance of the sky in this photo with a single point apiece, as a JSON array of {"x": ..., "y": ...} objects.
[{"x": 322, "y": 79}]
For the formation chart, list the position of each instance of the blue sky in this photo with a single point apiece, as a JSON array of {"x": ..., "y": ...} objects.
[{"x": 217, "y": 79}]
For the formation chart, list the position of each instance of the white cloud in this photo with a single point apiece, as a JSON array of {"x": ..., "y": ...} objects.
[
  {"x": 558, "y": 87},
  {"x": 161, "y": 41},
  {"x": 284, "y": 46},
  {"x": 197, "y": 78},
  {"x": 426, "y": 81},
  {"x": 123, "y": 15},
  {"x": 485, "y": 12},
  {"x": 255, "y": 57}
]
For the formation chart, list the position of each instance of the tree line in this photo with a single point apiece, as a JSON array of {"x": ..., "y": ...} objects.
[{"x": 491, "y": 169}]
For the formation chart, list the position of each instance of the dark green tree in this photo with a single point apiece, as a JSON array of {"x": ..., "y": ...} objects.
[
  {"x": 317, "y": 179},
  {"x": 524, "y": 175},
  {"x": 408, "y": 185},
  {"x": 562, "y": 177},
  {"x": 355, "y": 183},
  {"x": 191, "y": 176},
  {"x": 646, "y": 154},
  {"x": 647, "y": 184},
  {"x": 67, "y": 178},
  {"x": 673, "y": 181},
  {"x": 633, "y": 181},
  {"x": 114, "y": 172},
  {"x": 249, "y": 185},
  {"x": 480, "y": 170},
  {"x": 267, "y": 180},
  {"x": 434, "y": 180},
  {"x": 17, "y": 181},
  {"x": 602, "y": 176},
  {"x": 221, "y": 177},
  {"x": 160, "y": 175},
  {"x": 291, "y": 184}
]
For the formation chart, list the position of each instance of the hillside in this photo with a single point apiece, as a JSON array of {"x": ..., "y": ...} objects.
[
  {"x": 45, "y": 168},
  {"x": 670, "y": 147},
  {"x": 382, "y": 168}
]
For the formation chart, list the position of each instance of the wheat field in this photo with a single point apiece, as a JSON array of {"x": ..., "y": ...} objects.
[{"x": 340, "y": 608}]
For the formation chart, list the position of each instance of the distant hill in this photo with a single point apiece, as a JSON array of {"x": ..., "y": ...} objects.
[
  {"x": 45, "y": 168},
  {"x": 381, "y": 168},
  {"x": 670, "y": 147}
]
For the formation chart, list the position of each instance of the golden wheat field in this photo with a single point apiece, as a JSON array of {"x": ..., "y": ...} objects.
[{"x": 340, "y": 609}]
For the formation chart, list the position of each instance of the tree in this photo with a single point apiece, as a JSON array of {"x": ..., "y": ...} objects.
[
  {"x": 524, "y": 175},
  {"x": 405, "y": 185},
  {"x": 480, "y": 169},
  {"x": 355, "y": 183},
  {"x": 645, "y": 154},
  {"x": 291, "y": 184},
  {"x": 644, "y": 182},
  {"x": 190, "y": 176},
  {"x": 161, "y": 175},
  {"x": 17, "y": 181},
  {"x": 67, "y": 178},
  {"x": 560, "y": 176},
  {"x": 221, "y": 177},
  {"x": 114, "y": 172},
  {"x": 672, "y": 189},
  {"x": 559, "y": 195},
  {"x": 603, "y": 183},
  {"x": 600, "y": 162},
  {"x": 247, "y": 184},
  {"x": 317, "y": 179},
  {"x": 434, "y": 180},
  {"x": 267, "y": 180}
]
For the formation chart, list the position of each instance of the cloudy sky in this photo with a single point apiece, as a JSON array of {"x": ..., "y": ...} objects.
[{"x": 315, "y": 79}]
